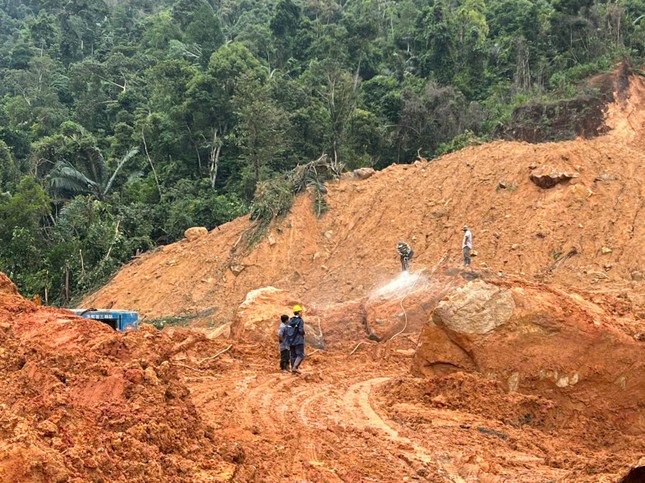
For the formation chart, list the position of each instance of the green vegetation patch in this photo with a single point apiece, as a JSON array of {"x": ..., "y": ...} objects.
[
  {"x": 180, "y": 320},
  {"x": 274, "y": 198}
]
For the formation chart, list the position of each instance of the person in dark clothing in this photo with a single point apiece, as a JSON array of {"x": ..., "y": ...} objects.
[
  {"x": 296, "y": 339},
  {"x": 283, "y": 343},
  {"x": 406, "y": 253}
]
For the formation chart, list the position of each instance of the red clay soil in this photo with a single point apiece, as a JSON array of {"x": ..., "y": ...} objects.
[
  {"x": 362, "y": 417},
  {"x": 558, "y": 349},
  {"x": 84, "y": 403},
  {"x": 586, "y": 233},
  {"x": 81, "y": 402}
]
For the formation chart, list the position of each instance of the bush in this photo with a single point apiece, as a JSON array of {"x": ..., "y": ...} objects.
[
  {"x": 463, "y": 140},
  {"x": 274, "y": 198}
]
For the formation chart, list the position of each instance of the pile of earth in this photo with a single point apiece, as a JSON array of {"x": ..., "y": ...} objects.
[
  {"x": 537, "y": 357},
  {"x": 82, "y": 402},
  {"x": 566, "y": 213},
  {"x": 508, "y": 436},
  {"x": 525, "y": 367},
  {"x": 399, "y": 308}
]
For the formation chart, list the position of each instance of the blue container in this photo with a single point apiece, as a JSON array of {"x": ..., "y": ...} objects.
[{"x": 121, "y": 320}]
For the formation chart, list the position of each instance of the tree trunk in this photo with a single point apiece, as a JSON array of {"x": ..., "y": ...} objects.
[
  {"x": 256, "y": 169},
  {"x": 192, "y": 140},
  {"x": 213, "y": 162},
  {"x": 154, "y": 171},
  {"x": 522, "y": 71},
  {"x": 66, "y": 290}
]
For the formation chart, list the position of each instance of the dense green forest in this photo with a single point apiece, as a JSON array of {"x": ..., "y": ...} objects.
[{"x": 124, "y": 122}]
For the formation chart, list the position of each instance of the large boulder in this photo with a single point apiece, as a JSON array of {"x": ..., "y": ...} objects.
[
  {"x": 342, "y": 325},
  {"x": 400, "y": 307},
  {"x": 258, "y": 317},
  {"x": 359, "y": 174},
  {"x": 547, "y": 175},
  {"x": 195, "y": 232},
  {"x": 363, "y": 173},
  {"x": 477, "y": 308},
  {"x": 538, "y": 340}
]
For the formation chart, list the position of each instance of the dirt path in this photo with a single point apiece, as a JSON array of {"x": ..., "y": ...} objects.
[
  {"x": 307, "y": 428},
  {"x": 336, "y": 423}
]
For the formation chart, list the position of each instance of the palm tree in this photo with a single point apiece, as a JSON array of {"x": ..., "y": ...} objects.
[{"x": 68, "y": 180}]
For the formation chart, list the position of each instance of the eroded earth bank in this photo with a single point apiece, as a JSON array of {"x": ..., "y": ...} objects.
[{"x": 529, "y": 366}]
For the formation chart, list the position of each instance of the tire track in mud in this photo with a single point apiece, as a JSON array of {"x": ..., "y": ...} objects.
[
  {"x": 326, "y": 441},
  {"x": 328, "y": 429},
  {"x": 248, "y": 400},
  {"x": 358, "y": 401}
]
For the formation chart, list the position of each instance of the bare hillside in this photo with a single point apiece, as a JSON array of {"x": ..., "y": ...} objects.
[{"x": 585, "y": 232}]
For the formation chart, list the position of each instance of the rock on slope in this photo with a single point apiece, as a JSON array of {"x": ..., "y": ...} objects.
[
  {"x": 400, "y": 307},
  {"x": 582, "y": 232}
]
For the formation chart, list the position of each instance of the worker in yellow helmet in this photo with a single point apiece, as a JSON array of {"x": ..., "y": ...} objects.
[{"x": 296, "y": 339}]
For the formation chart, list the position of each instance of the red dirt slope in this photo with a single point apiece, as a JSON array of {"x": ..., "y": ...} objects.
[
  {"x": 586, "y": 233},
  {"x": 534, "y": 382},
  {"x": 545, "y": 342},
  {"x": 81, "y": 402}
]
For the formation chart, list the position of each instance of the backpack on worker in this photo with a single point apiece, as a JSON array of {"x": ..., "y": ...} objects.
[{"x": 292, "y": 329}]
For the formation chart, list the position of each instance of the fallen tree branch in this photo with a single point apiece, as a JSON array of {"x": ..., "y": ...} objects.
[
  {"x": 563, "y": 258},
  {"x": 355, "y": 348},
  {"x": 185, "y": 344},
  {"x": 216, "y": 355},
  {"x": 154, "y": 171},
  {"x": 199, "y": 378}
]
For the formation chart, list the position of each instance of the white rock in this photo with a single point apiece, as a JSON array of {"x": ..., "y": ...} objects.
[
  {"x": 195, "y": 232},
  {"x": 476, "y": 308}
]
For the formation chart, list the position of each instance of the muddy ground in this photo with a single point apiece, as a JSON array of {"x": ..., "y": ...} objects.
[
  {"x": 548, "y": 388},
  {"x": 82, "y": 402},
  {"x": 364, "y": 418}
]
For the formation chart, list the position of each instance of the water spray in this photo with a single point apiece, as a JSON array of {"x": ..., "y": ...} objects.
[
  {"x": 418, "y": 276},
  {"x": 405, "y": 314}
]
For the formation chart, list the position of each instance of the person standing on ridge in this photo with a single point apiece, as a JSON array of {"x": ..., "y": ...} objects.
[
  {"x": 467, "y": 245},
  {"x": 296, "y": 339},
  {"x": 406, "y": 253},
  {"x": 283, "y": 344}
]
